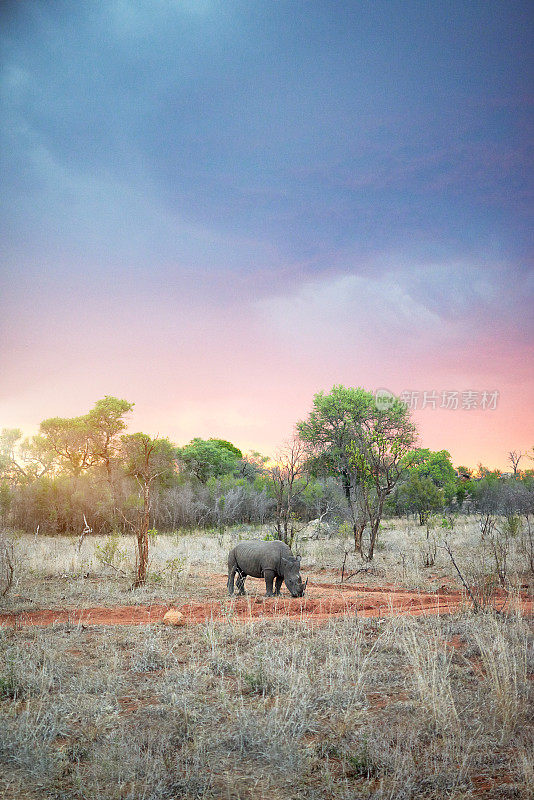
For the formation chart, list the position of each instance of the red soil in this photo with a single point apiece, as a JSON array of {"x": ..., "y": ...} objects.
[{"x": 322, "y": 602}]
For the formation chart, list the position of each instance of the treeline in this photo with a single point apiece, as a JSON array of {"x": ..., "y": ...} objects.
[
  {"x": 85, "y": 471},
  {"x": 432, "y": 486},
  {"x": 61, "y": 504}
]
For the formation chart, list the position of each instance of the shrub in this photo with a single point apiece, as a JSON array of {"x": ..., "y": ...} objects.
[{"x": 110, "y": 553}]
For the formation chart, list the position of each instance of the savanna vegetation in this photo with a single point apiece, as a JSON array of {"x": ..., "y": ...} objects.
[
  {"x": 350, "y": 463},
  {"x": 382, "y": 707}
]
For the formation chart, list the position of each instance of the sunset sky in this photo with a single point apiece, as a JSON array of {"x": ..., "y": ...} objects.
[{"x": 216, "y": 208}]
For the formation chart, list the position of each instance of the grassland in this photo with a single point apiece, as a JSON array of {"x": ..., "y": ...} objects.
[{"x": 437, "y": 707}]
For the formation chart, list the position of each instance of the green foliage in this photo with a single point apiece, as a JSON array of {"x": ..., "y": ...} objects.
[
  {"x": 366, "y": 447},
  {"x": 345, "y": 530},
  {"x": 429, "y": 485},
  {"x": 209, "y": 459},
  {"x": 149, "y": 460},
  {"x": 8, "y": 442},
  {"x": 331, "y": 427},
  {"x": 421, "y": 496},
  {"x": 351, "y": 435},
  {"x": 465, "y": 473},
  {"x": 80, "y": 443},
  {"x": 228, "y": 446},
  {"x": 173, "y": 569},
  {"x": 23, "y": 460},
  {"x": 110, "y": 552},
  {"x": 447, "y": 523},
  {"x": 224, "y": 484},
  {"x": 487, "y": 473},
  {"x": 437, "y": 466}
]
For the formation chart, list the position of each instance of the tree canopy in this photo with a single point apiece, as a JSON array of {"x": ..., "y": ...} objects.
[
  {"x": 364, "y": 446},
  {"x": 210, "y": 458},
  {"x": 437, "y": 467},
  {"x": 80, "y": 443}
]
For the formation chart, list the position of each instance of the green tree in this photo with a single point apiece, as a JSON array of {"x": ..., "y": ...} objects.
[
  {"x": 364, "y": 446},
  {"x": 486, "y": 472},
  {"x": 80, "y": 443},
  {"x": 437, "y": 466},
  {"x": 420, "y": 495},
  {"x": 288, "y": 482},
  {"x": 70, "y": 441},
  {"x": 151, "y": 462},
  {"x": 105, "y": 421},
  {"x": 430, "y": 483},
  {"x": 465, "y": 473},
  {"x": 381, "y": 452},
  {"x": 210, "y": 458},
  {"x": 253, "y": 465},
  {"x": 228, "y": 446},
  {"x": 328, "y": 432}
]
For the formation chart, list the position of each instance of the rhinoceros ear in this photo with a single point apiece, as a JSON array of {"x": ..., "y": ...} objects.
[{"x": 299, "y": 559}]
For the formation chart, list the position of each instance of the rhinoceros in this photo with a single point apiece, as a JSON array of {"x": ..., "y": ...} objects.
[{"x": 267, "y": 560}]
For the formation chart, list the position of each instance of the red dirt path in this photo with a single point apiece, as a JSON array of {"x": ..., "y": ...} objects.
[{"x": 323, "y": 601}]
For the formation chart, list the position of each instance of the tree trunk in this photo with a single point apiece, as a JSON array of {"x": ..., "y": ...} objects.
[
  {"x": 375, "y": 525},
  {"x": 358, "y": 524},
  {"x": 358, "y": 528},
  {"x": 142, "y": 540},
  {"x": 372, "y": 539}
]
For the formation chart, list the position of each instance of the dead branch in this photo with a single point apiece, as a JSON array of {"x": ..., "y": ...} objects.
[
  {"x": 361, "y": 569},
  {"x": 446, "y": 546},
  {"x": 85, "y": 531},
  {"x": 117, "y": 569}
]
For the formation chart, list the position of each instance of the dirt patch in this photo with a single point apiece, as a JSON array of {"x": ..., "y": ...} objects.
[
  {"x": 486, "y": 785},
  {"x": 123, "y": 615},
  {"x": 323, "y": 601}
]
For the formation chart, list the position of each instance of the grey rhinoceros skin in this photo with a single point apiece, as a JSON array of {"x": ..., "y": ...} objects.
[{"x": 272, "y": 560}]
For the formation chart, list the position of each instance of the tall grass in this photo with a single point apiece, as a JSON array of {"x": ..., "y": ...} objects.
[
  {"x": 267, "y": 709},
  {"x": 429, "y": 663},
  {"x": 504, "y": 653}
]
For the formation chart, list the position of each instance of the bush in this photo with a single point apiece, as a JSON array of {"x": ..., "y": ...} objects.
[{"x": 110, "y": 553}]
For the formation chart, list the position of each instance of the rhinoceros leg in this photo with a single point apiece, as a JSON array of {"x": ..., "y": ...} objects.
[
  {"x": 268, "y": 574},
  {"x": 278, "y": 584},
  {"x": 230, "y": 584},
  {"x": 241, "y": 582}
]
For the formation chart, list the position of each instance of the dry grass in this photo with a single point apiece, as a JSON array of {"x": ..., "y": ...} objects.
[
  {"x": 49, "y": 571},
  {"x": 398, "y": 708},
  {"x": 268, "y": 709}
]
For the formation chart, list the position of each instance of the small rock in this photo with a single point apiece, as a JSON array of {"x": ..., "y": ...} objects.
[
  {"x": 315, "y": 530},
  {"x": 173, "y": 617}
]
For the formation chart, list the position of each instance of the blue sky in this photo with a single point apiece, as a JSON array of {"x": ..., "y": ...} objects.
[{"x": 209, "y": 167}]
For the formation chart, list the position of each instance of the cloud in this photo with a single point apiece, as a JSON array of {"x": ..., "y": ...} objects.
[
  {"x": 241, "y": 203},
  {"x": 412, "y": 312}
]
